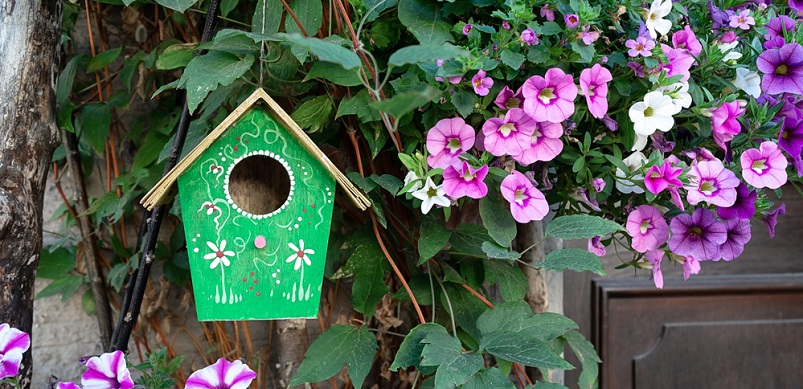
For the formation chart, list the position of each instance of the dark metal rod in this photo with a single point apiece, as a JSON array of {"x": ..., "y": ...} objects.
[{"x": 130, "y": 313}]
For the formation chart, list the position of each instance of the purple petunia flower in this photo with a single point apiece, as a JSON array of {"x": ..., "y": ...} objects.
[
  {"x": 599, "y": 184},
  {"x": 774, "y": 43},
  {"x": 790, "y": 138},
  {"x": 738, "y": 231},
  {"x": 550, "y": 98},
  {"x": 743, "y": 208},
  {"x": 724, "y": 122},
  {"x": 796, "y": 5},
  {"x": 662, "y": 177},
  {"x": 510, "y": 135},
  {"x": 713, "y": 183},
  {"x": 642, "y": 45},
  {"x": 594, "y": 85},
  {"x": 545, "y": 144},
  {"x": 648, "y": 228},
  {"x": 526, "y": 202},
  {"x": 547, "y": 12},
  {"x": 528, "y": 37},
  {"x": 720, "y": 17},
  {"x": 783, "y": 69},
  {"x": 13, "y": 343},
  {"x": 447, "y": 140},
  {"x": 764, "y": 167},
  {"x": 655, "y": 257},
  {"x": 467, "y": 29},
  {"x": 680, "y": 62},
  {"x": 638, "y": 69},
  {"x": 481, "y": 84},
  {"x": 465, "y": 181},
  {"x": 686, "y": 39},
  {"x": 698, "y": 235},
  {"x": 67, "y": 385},
  {"x": 596, "y": 247},
  {"x": 507, "y": 99},
  {"x": 222, "y": 375},
  {"x": 571, "y": 20},
  {"x": 770, "y": 218},
  {"x": 505, "y": 25},
  {"x": 107, "y": 371},
  {"x": 777, "y": 25}
]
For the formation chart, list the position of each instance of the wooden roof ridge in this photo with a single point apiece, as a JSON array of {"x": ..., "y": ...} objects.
[{"x": 159, "y": 193}]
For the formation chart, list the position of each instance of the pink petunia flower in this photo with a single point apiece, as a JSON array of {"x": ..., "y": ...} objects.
[
  {"x": 655, "y": 257},
  {"x": 680, "y": 62},
  {"x": 713, "y": 183},
  {"x": 724, "y": 122},
  {"x": 647, "y": 227},
  {"x": 222, "y": 375},
  {"x": 67, "y": 385},
  {"x": 528, "y": 37},
  {"x": 447, "y": 140},
  {"x": 742, "y": 20},
  {"x": 596, "y": 247},
  {"x": 526, "y": 202},
  {"x": 107, "y": 371},
  {"x": 507, "y": 99},
  {"x": 481, "y": 84},
  {"x": 599, "y": 184},
  {"x": 13, "y": 343},
  {"x": 465, "y": 181},
  {"x": 545, "y": 144},
  {"x": 510, "y": 135},
  {"x": 690, "y": 266},
  {"x": 662, "y": 177},
  {"x": 550, "y": 98},
  {"x": 764, "y": 167},
  {"x": 467, "y": 28},
  {"x": 547, "y": 12},
  {"x": 642, "y": 45},
  {"x": 686, "y": 39},
  {"x": 594, "y": 86}
]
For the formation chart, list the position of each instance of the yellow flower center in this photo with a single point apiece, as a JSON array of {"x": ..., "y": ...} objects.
[
  {"x": 591, "y": 90},
  {"x": 520, "y": 196},
  {"x": 546, "y": 95},
  {"x": 454, "y": 144},
  {"x": 644, "y": 226},
  {"x": 759, "y": 165},
  {"x": 696, "y": 231},
  {"x": 648, "y": 112},
  {"x": 468, "y": 176},
  {"x": 707, "y": 187},
  {"x": 432, "y": 192},
  {"x": 782, "y": 69},
  {"x": 506, "y": 129},
  {"x": 512, "y": 103}
]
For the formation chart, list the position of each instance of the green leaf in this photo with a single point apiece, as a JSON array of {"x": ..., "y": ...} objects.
[
  {"x": 588, "y": 357},
  {"x": 376, "y": 7},
  {"x": 445, "y": 352},
  {"x": 432, "y": 238},
  {"x": 489, "y": 378},
  {"x": 309, "y": 14},
  {"x": 512, "y": 282},
  {"x": 518, "y": 317},
  {"x": 409, "y": 353},
  {"x": 497, "y": 220},
  {"x": 404, "y": 103},
  {"x": 524, "y": 349},
  {"x": 96, "y": 118},
  {"x": 176, "y": 5},
  {"x": 551, "y": 28},
  {"x": 326, "y": 51},
  {"x": 314, "y": 114},
  {"x": 88, "y": 303},
  {"x": 335, "y": 73},
  {"x": 267, "y": 17},
  {"x": 468, "y": 238},
  {"x": 231, "y": 41},
  {"x": 512, "y": 59},
  {"x": 580, "y": 227},
  {"x": 149, "y": 150},
  {"x": 338, "y": 345},
  {"x": 425, "y": 53},
  {"x": 117, "y": 275},
  {"x": 175, "y": 56},
  {"x": 545, "y": 385},
  {"x": 368, "y": 267},
  {"x": 465, "y": 306},
  {"x": 206, "y": 72},
  {"x": 226, "y": 6},
  {"x": 493, "y": 250},
  {"x": 103, "y": 59},
  {"x": 423, "y": 19},
  {"x": 66, "y": 285},
  {"x": 360, "y": 105},
  {"x": 586, "y": 51},
  {"x": 56, "y": 264},
  {"x": 464, "y": 102},
  {"x": 573, "y": 259}
]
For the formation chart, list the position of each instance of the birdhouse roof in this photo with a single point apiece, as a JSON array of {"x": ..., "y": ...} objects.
[{"x": 161, "y": 191}]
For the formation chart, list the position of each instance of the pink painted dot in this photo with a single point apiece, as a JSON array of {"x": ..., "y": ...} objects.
[
  {"x": 259, "y": 294},
  {"x": 251, "y": 288},
  {"x": 235, "y": 147},
  {"x": 246, "y": 141},
  {"x": 312, "y": 206},
  {"x": 309, "y": 223},
  {"x": 245, "y": 279},
  {"x": 310, "y": 215},
  {"x": 260, "y": 242},
  {"x": 303, "y": 210},
  {"x": 252, "y": 274},
  {"x": 238, "y": 138},
  {"x": 255, "y": 281}
]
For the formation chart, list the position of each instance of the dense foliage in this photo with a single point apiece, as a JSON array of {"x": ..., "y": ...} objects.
[{"x": 469, "y": 111}]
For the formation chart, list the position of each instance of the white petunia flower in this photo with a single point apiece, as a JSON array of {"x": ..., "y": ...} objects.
[
  {"x": 633, "y": 162},
  {"x": 679, "y": 93},
  {"x": 640, "y": 143},
  {"x": 300, "y": 256},
  {"x": 219, "y": 254},
  {"x": 653, "y": 113},
  {"x": 410, "y": 177},
  {"x": 726, "y": 48},
  {"x": 430, "y": 195},
  {"x": 748, "y": 81},
  {"x": 654, "y": 19}
]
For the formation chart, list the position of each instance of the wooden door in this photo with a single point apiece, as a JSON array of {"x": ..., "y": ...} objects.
[{"x": 737, "y": 324}]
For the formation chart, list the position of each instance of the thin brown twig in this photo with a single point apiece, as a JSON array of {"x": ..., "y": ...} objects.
[{"x": 293, "y": 15}]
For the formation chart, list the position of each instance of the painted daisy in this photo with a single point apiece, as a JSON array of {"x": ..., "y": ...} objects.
[
  {"x": 219, "y": 254},
  {"x": 301, "y": 254}
]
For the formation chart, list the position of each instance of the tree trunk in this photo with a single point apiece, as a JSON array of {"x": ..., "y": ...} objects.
[{"x": 29, "y": 39}]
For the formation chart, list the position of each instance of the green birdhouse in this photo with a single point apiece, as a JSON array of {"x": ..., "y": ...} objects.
[{"x": 257, "y": 197}]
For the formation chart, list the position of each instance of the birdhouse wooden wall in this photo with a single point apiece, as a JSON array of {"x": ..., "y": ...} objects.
[{"x": 257, "y": 209}]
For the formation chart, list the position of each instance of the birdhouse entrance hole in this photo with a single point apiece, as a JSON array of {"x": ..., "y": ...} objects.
[{"x": 259, "y": 184}]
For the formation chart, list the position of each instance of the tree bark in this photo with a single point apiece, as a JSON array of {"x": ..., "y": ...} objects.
[{"x": 29, "y": 39}]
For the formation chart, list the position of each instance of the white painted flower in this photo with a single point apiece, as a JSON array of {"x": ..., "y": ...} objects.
[
  {"x": 633, "y": 162},
  {"x": 209, "y": 207},
  {"x": 430, "y": 195},
  {"x": 748, "y": 81},
  {"x": 410, "y": 177},
  {"x": 727, "y": 49},
  {"x": 301, "y": 255},
  {"x": 679, "y": 93},
  {"x": 653, "y": 113},
  {"x": 219, "y": 254},
  {"x": 654, "y": 19}
]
